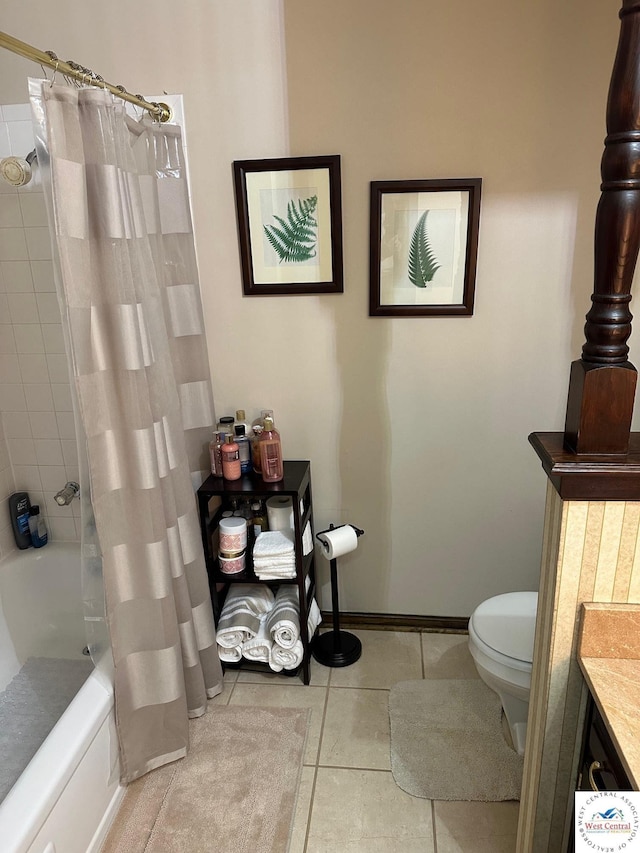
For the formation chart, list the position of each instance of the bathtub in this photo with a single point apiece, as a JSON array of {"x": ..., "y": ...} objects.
[{"x": 66, "y": 797}]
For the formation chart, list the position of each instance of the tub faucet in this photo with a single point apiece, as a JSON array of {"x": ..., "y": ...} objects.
[{"x": 66, "y": 495}]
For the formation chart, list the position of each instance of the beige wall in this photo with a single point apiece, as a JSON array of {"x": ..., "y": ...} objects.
[{"x": 416, "y": 429}]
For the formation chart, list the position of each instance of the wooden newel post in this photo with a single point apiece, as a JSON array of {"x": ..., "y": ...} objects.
[{"x": 602, "y": 383}]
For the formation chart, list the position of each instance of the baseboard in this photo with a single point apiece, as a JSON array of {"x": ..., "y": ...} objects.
[{"x": 399, "y": 622}]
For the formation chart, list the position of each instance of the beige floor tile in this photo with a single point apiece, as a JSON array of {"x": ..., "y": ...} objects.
[
  {"x": 447, "y": 656},
  {"x": 284, "y": 696},
  {"x": 387, "y": 657},
  {"x": 356, "y": 729},
  {"x": 476, "y": 827},
  {"x": 364, "y": 811},
  {"x": 319, "y": 676},
  {"x": 302, "y": 812}
]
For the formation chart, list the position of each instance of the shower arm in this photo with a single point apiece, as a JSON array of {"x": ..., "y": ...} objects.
[{"x": 161, "y": 112}]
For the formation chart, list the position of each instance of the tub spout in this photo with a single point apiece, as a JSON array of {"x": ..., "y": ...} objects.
[{"x": 66, "y": 495}]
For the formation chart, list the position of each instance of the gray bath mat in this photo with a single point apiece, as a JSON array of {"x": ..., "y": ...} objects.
[
  {"x": 447, "y": 742},
  {"x": 30, "y": 706}
]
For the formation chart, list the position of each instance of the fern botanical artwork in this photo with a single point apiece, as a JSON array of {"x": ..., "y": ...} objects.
[
  {"x": 289, "y": 225},
  {"x": 423, "y": 247}
]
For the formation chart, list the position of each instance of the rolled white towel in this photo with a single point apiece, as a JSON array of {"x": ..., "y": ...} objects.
[
  {"x": 258, "y": 647},
  {"x": 232, "y": 655},
  {"x": 286, "y": 658},
  {"x": 283, "y": 620},
  {"x": 240, "y": 617}
]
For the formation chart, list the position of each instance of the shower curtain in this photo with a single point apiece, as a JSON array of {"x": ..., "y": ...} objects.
[{"x": 130, "y": 301}]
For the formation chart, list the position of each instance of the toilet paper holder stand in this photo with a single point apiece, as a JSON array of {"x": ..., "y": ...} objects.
[{"x": 336, "y": 647}]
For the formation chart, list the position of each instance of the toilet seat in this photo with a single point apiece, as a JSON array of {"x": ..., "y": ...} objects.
[
  {"x": 498, "y": 657},
  {"x": 504, "y": 626}
]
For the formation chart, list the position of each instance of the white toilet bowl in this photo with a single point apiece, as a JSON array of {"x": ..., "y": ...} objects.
[{"x": 501, "y": 632}]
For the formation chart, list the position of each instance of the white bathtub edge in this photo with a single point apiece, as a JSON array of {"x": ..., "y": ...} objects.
[
  {"x": 52, "y": 766},
  {"x": 107, "y": 820}
]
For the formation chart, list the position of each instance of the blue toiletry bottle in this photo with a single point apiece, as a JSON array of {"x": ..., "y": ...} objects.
[
  {"x": 37, "y": 527},
  {"x": 19, "y": 506}
]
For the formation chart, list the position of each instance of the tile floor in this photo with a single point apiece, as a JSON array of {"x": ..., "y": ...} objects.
[{"x": 348, "y": 801}]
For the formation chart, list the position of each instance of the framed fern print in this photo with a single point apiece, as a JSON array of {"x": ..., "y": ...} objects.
[
  {"x": 424, "y": 244},
  {"x": 289, "y": 225}
]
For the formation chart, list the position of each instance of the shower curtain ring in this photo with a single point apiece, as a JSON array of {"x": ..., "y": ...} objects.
[{"x": 55, "y": 71}]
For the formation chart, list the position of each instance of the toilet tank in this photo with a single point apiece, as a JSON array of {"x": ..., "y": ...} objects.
[{"x": 507, "y": 623}]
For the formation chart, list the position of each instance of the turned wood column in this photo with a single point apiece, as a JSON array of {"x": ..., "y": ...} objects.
[{"x": 602, "y": 383}]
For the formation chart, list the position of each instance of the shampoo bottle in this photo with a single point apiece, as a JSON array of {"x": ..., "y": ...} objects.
[
  {"x": 271, "y": 453},
  {"x": 19, "y": 505},
  {"x": 244, "y": 448},
  {"x": 37, "y": 527},
  {"x": 215, "y": 453},
  {"x": 231, "y": 460}
]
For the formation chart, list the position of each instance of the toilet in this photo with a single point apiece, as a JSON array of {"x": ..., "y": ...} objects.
[{"x": 501, "y": 632}]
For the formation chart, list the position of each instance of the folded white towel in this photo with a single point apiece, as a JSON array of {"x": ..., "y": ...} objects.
[
  {"x": 258, "y": 647},
  {"x": 273, "y": 543},
  {"x": 286, "y": 658},
  {"x": 232, "y": 655},
  {"x": 283, "y": 620},
  {"x": 276, "y": 576},
  {"x": 240, "y": 618}
]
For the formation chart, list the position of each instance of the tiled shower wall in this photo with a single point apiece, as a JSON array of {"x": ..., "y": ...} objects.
[{"x": 38, "y": 451}]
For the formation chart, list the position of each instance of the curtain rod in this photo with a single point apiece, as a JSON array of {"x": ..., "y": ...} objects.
[{"x": 159, "y": 111}]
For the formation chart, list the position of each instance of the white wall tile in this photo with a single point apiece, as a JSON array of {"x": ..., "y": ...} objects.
[
  {"x": 53, "y": 510},
  {"x": 9, "y": 370},
  {"x": 10, "y": 215},
  {"x": 69, "y": 450},
  {"x": 62, "y": 401},
  {"x": 48, "y": 451},
  {"x": 16, "y": 424},
  {"x": 53, "y": 478},
  {"x": 5, "y": 319},
  {"x": 22, "y": 451},
  {"x": 52, "y": 336},
  {"x": 7, "y": 339},
  {"x": 63, "y": 529},
  {"x": 21, "y": 137},
  {"x": 5, "y": 144},
  {"x": 43, "y": 425},
  {"x": 16, "y": 112},
  {"x": 28, "y": 338},
  {"x": 13, "y": 245},
  {"x": 43, "y": 280},
  {"x": 48, "y": 308},
  {"x": 38, "y": 243},
  {"x": 23, "y": 308},
  {"x": 66, "y": 425},
  {"x": 27, "y": 477},
  {"x": 34, "y": 210},
  {"x": 39, "y": 398},
  {"x": 58, "y": 367},
  {"x": 33, "y": 368},
  {"x": 17, "y": 276},
  {"x": 12, "y": 398}
]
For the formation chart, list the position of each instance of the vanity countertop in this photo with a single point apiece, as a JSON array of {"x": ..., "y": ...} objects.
[{"x": 609, "y": 657}]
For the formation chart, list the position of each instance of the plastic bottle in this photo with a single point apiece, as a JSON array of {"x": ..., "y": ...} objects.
[
  {"x": 215, "y": 453},
  {"x": 259, "y": 519},
  {"x": 37, "y": 527},
  {"x": 19, "y": 505},
  {"x": 241, "y": 420},
  {"x": 257, "y": 431},
  {"x": 244, "y": 447},
  {"x": 225, "y": 425},
  {"x": 271, "y": 453},
  {"x": 264, "y": 413},
  {"x": 231, "y": 460}
]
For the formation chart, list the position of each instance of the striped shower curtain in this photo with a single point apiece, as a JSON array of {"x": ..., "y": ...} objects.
[{"x": 129, "y": 295}]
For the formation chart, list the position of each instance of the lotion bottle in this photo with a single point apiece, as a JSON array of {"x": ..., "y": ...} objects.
[
  {"x": 230, "y": 452},
  {"x": 271, "y": 453},
  {"x": 215, "y": 453}
]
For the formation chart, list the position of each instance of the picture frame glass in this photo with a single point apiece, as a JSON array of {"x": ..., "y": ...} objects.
[
  {"x": 273, "y": 197},
  {"x": 423, "y": 246}
]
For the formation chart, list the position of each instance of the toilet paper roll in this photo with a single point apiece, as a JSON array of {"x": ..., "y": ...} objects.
[
  {"x": 280, "y": 513},
  {"x": 337, "y": 542}
]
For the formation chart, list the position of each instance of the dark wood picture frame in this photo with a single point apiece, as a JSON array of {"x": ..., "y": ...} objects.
[
  {"x": 290, "y": 225},
  {"x": 420, "y": 229}
]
